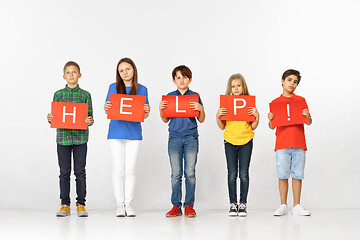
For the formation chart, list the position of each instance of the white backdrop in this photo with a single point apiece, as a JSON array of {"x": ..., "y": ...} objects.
[{"x": 259, "y": 39}]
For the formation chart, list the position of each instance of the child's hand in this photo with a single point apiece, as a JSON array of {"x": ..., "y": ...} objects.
[
  {"x": 196, "y": 106},
  {"x": 147, "y": 108},
  {"x": 221, "y": 112},
  {"x": 107, "y": 106},
  {"x": 89, "y": 120},
  {"x": 253, "y": 111},
  {"x": 270, "y": 116},
  {"x": 306, "y": 112},
  {"x": 49, "y": 117},
  {"x": 163, "y": 104}
]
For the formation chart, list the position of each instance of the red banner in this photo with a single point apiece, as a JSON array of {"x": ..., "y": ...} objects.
[
  {"x": 179, "y": 106},
  {"x": 238, "y": 107},
  {"x": 127, "y": 107},
  {"x": 69, "y": 115},
  {"x": 288, "y": 112}
]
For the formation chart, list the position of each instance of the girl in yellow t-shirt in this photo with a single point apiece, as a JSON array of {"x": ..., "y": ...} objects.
[{"x": 238, "y": 140}]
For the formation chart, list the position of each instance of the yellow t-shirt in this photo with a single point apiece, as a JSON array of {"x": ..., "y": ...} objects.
[{"x": 238, "y": 132}]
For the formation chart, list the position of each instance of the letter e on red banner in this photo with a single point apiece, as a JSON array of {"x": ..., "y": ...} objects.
[
  {"x": 238, "y": 107},
  {"x": 69, "y": 115},
  {"x": 126, "y": 107},
  {"x": 179, "y": 106}
]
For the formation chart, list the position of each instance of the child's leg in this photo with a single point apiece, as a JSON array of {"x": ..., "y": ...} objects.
[
  {"x": 64, "y": 160},
  {"x": 296, "y": 187},
  {"x": 131, "y": 153},
  {"x": 118, "y": 171},
  {"x": 297, "y": 172},
  {"x": 79, "y": 152},
  {"x": 283, "y": 162},
  {"x": 283, "y": 190},
  {"x": 231, "y": 153},
  {"x": 176, "y": 152},
  {"x": 191, "y": 148},
  {"x": 244, "y": 163}
]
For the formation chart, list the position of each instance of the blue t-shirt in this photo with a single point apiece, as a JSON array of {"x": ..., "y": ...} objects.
[
  {"x": 119, "y": 129},
  {"x": 183, "y": 126}
]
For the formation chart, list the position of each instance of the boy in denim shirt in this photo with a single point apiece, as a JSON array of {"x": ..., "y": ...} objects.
[
  {"x": 183, "y": 145},
  {"x": 290, "y": 148}
]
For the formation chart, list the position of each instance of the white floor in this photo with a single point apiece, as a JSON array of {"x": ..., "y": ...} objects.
[{"x": 209, "y": 224}]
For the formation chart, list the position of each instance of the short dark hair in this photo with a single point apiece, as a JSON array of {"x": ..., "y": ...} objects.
[
  {"x": 71, "y": 63},
  {"x": 184, "y": 70},
  {"x": 291, "y": 72}
]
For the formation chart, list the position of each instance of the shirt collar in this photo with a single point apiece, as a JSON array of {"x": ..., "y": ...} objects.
[
  {"x": 185, "y": 93},
  {"x": 292, "y": 97},
  {"x": 75, "y": 89}
]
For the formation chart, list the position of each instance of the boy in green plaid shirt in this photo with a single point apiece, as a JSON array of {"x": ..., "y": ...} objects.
[{"x": 72, "y": 140}]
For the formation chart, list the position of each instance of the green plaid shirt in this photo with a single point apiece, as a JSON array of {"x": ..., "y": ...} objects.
[{"x": 68, "y": 137}]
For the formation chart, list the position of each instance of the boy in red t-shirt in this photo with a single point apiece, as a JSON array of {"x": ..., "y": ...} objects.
[{"x": 290, "y": 148}]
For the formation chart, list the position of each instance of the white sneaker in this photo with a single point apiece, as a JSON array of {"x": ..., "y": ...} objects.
[
  {"x": 120, "y": 211},
  {"x": 300, "y": 210},
  {"x": 130, "y": 212},
  {"x": 282, "y": 210}
]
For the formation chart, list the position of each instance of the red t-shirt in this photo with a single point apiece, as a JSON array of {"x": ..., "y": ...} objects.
[{"x": 292, "y": 136}]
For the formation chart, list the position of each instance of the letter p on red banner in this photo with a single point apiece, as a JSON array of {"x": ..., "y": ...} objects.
[
  {"x": 127, "y": 107},
  {"x": 69, "y": 115},
  {"x": 238, "y": 107}
]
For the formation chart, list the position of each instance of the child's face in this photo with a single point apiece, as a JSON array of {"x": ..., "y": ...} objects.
[
  {"x": 236, "y": 87},
  {"x": 72, "y": 75},
  {"x": 181, "y": 82},
  {"x": 290, "y": 83},
  {"x": 126, "y": 72}
]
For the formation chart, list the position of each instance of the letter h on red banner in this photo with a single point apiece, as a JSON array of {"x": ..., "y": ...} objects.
[{"x": 69, "y": 115}]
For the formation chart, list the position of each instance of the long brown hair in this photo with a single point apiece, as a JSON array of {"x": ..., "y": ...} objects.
[
  {"x": 120, "y": 85},
  {"x": 243, "y": 84}
]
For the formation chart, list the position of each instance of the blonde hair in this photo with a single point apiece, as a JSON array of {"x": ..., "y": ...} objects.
[{"x": 243, "y": 84}]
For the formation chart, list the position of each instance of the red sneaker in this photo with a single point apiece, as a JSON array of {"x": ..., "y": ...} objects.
[
  {"x": 189, "y": 211},
  {"x": 174, "y": 212}
]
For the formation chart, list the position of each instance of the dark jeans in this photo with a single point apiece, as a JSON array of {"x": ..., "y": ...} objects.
[
  {"x": 64, "y": 157},
  {"x": 238, "y": 160}
]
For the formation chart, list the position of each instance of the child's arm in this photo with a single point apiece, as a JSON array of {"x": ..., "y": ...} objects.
[
  {"x": 147, "y": 110},
  {"x": 308, "y": 117},
  {"x": 221, "y": 123},
  {"x": 198, "y": 107},
  {"x": 270, "y": 117},
  {"x": 107, "y": 106},
  {"x": 49, "y": 117},
  {"x": 89, "y": 120},
  {"x": 254, "y": 111},
  {"x": 163, "y": 105}
]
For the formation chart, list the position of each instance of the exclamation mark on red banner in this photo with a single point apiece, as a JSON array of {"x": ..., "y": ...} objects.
[{"x": 288, "y": 111}]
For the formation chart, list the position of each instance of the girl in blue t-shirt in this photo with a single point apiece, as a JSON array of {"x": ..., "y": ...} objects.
[{"x": 125, "y": 137}]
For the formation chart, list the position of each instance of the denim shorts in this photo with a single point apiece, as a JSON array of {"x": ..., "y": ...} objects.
[{"x": 290, "y": 161}]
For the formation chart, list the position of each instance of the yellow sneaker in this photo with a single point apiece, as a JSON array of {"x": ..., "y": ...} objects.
[
  {"x": 81, "y": 212},
  {"x": 64, "y": 211}
]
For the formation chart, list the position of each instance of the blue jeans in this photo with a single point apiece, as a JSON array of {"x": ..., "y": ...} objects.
[
  {"x": 238, "y": 160},
  {"x": 64, "y": 158},
  {"x": 183, "y": 155}
]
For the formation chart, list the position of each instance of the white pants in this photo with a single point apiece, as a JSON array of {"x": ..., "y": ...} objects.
[{"x": 124, "y": 154}]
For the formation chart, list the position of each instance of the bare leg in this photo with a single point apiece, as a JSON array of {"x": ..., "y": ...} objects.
[
  {"x": 296, "y": 187},
  {"x": 283, "y": 189}
]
